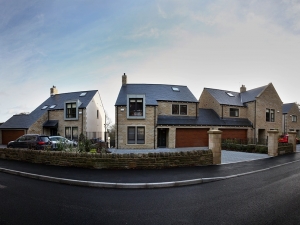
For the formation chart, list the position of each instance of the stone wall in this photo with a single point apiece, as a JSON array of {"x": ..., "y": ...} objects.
[
  {"x": 111, "y": 161},
  {"x": 207, "y": 101},
  {"x": 165, "y": 108}
]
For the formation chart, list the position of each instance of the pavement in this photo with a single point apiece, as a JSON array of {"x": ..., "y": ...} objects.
[{"x": 234, "y": 164}]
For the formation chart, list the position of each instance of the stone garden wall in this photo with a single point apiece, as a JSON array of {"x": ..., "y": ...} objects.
[{"x": 111, "y": 161}]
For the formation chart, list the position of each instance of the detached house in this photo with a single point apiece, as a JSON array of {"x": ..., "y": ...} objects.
[
  {"x": 262, "y": 106},
  {"x": 290, "y": 118},
  {"x": 157, "y": 115},
  {"x": 67, "y": 114}
]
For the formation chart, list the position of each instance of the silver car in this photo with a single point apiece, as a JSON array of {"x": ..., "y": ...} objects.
[{"x": 61, "y": 140}]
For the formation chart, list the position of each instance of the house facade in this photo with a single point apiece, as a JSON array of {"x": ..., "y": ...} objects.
[
  {"x": 67, "y": 114},
  {"x": 290, "y": 118},
  {"x": 156, "y": 115},
  {"x": 261, "y": 106}
]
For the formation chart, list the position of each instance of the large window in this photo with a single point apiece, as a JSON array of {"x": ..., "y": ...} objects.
[
  {"x": 270, "y": 115},
  {"x": 179, "y": 109},
  {"x": 136, "y": 106},
  {"x": 234, "y": 112},
  {"x": 71, "y": 110},
  {"x": 136, "y": 135},
  {"x": 71, "y": 133}
]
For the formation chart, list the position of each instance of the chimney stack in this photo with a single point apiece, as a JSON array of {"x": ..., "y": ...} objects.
[
  {"x": 124, "y": 79},
  {"x": 53, "y": 91},
  {"x": 243, "y": 89}
]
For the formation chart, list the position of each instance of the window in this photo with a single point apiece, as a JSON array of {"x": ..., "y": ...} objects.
[
  {"x": 270, "y": 115},
  {"x": 179, "y": 109},
  {"x": 52, "y": 106},
  {"x": 71, "y": 110},
  {"x": 136, "y": 135},
  {"x": 229, "y": 94},
  {"x": 71, "y": 133},
  {"x": 175, "y": 89},
  {"x": 136, "y": 107},
  {"x": 45, "y": 107},
  {"x": 234, "y": 112},
  {"x": 82, "y": 94},
  {"x": 294, "y": 118}
]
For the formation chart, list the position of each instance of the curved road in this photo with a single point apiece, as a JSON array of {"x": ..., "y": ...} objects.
[{"x": 269, "y": 197}]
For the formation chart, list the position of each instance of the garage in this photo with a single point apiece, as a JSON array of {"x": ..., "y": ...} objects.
[
  {"x": 240, "y": 134},
  {"x": 191, "y": 137},
  {"x": 10, "y": 135}
]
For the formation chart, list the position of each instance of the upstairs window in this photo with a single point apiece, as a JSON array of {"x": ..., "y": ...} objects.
[
  {"x": 234, "y": 112},
  {"x": 71, "y": 110},
  {"x": 135, "y": 107},
  {"x": 270, "y": 115},
  {"x": 294, "y": 118},
  {"x": 178, "y": 109}
]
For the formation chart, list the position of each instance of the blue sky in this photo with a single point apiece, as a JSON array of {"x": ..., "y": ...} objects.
[{"x": 87, "y": 45}]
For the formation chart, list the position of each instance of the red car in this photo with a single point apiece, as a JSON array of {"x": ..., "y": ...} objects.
[{"x": 283, "y": 139}]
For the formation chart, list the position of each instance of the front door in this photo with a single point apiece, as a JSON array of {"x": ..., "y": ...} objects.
[{"x": 162, "y": 138}]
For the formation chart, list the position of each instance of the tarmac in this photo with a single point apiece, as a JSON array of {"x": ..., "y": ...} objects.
[{"x": 233, "y": 164}]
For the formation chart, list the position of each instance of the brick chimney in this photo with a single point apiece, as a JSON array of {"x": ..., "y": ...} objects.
[
  {"x": 124, "y": 79},
  {"x": 243, "y": 89},
  {"x": 53, "y": 91}
]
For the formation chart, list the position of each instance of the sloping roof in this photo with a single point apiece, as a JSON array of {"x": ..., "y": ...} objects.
[
  {"x": 154, "y": 93},
  {"x": 225, "y": 97},
  {"x": 207, "y": 117},
  {"x": 287, "y": 107},
  {"x": 25, "y": 121}
]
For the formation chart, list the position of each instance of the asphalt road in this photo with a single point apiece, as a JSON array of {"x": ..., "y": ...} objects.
[{"x": 269, "y": 197}]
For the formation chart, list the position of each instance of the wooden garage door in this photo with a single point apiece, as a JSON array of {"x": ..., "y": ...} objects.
[
  {"x": 189, "y": 137},
  {"x": 234, "y": 134},
  {"x": 10, "y": 135}
]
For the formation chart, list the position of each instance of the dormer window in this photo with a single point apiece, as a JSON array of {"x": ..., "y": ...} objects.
[
  {"x": 71, "y": 110},
  {"x": 136, "y": 106}
]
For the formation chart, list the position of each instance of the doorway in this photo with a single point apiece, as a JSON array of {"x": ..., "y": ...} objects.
[{"x": 162, "y": 138}]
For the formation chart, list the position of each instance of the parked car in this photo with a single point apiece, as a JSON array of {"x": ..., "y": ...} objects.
[
  {"x": 59, "y": 139},
  {"x": 31, "y": 141},
  {"x": 283, "y": 138}
]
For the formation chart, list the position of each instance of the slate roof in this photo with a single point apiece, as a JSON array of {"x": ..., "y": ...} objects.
[
  {"x": 237, "y": 98},
  {"x": 287, "y": 107},
  {"x": 154, "y": 93},
  {"x": 25, "y": 121},
  {"x": 207, "y": 117}
]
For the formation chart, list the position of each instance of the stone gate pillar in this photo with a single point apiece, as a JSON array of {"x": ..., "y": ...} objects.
[
  {"x": 273, "y": 142},
  {"x": 292, "y": 139},
  {"x": 214, "y": 144}
]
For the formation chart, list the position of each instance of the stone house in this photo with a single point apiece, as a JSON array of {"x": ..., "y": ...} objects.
[
  {"x": 67, "y": 114},
  {"x": 150, "y": 116},
  {"x": 262, "y": 106},
  {"x": 290, "y": 118}
]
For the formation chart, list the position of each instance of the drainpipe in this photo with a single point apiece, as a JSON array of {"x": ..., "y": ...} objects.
[
  {"x": 117, "y": 129},
  {"x": 154, "y": 125},
  {"x": 255, "y": 121}
]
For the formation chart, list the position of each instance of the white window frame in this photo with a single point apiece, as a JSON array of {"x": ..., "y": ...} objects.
[{"x": 294, "y": 118}]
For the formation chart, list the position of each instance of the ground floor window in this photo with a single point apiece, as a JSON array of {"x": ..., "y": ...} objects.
[
  {"x": 71, "y": 133},
  {"x": 136, "y": 135}
]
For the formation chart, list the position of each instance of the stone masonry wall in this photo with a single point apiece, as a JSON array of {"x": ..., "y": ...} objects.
[
  {"x": 111, "y": 161},
  {"x": 268, "y": 99},
  {"x": 165, "y": 108},
  {"x": 37, "y": 127},
  {"x": 242, "y": 111},
  {"x": 149, "y": 123},
  {"x": 206, "y": 101},
  {"x": 289, "y": 123}
]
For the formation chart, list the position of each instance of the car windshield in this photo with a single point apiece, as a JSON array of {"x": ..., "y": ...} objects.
[{"x": 44, "y": 138}]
